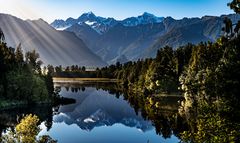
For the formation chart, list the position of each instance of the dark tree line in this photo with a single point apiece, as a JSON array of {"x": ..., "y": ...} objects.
[{"x": 21, "y": 77}]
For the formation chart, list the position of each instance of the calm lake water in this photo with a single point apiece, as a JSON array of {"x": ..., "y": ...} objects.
[{"x": 98, "y": 116}]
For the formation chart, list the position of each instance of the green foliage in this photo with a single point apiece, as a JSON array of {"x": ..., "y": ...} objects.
[
  {"x": 213, "y": 129},
  {"x": 23, "y": 80},
  {"x": 26, "y": 132},
  {"x": 46, "y": 139},
  {"x": 227, "y": 73},
  {"x": 2, "y": 37},
  {"x": 27, "y": 129},
  {"x": 32, "y": 59},
  {"x": 235, "y": 5},
  {"x": 211, "y": 126},
  {"x": 213, "y": 73},
  {"x": 210, "y": 85},
  {"x": 19, "y": 55},
  {"x": 23, "y": 85},
  {"x": 159, "y": 75}
]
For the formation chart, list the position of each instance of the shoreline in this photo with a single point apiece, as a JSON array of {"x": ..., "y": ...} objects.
[
  {"x": 11, "y": 104},
  {"x": 82, "y": 80}
]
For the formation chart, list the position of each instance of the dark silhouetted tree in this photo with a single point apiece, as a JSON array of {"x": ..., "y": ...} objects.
[
  {"x": 2, "y": 37},
  {"x": 19, "y": 54},
  {"x": 235, "y": 5}
]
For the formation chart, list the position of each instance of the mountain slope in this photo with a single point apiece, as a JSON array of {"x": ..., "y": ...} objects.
[
  {"x": 87, "y": 34},
  {"x": 194, "y": 30},
  {"x": 127, "y": 41},
  {"x": 55, "y": 47},
  {"x": 143, "y": 41},
  {"x": 140, "y": 37}
]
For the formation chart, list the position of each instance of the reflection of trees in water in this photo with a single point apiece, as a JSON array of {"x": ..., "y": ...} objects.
[
  {"x": 167, "y": 122},
  {"x": 111, "y": 88},
  {"x": 215, "y": 122},
  {"x": 162, "y": 111},
  {"x": 165, "y": 117}
]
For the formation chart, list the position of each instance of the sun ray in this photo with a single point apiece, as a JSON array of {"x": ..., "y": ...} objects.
[{"x": 19, "y": 8}]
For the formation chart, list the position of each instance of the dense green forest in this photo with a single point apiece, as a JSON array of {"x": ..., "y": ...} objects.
[{"x": 21, "y": 78}]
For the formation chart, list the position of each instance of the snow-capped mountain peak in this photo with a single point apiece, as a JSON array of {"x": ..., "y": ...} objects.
[
  {"x": 90, "y": 13},
  {"x": 101, "y": 24},
  {"x": 145, "y": 18},
  {"x": 87, "y": 16},
  {"x": 148, "y": 14}
]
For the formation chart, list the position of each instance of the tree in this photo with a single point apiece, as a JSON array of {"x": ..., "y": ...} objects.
[
  {"x": 83, "y": 68},
  {"x": 32, "y": 59},
  {"x": 2, "y": 37},
  {"x": 58, "y": 69},
  {"x": 237, "y": 28},
  {"x": 235, "y": 5},
  {"x": 72, "y": 68},
  {"x": 49, "y": 80},
  {"x": 26, "y": 132},
  {"x": 228, "y": 26},
  {"x": 19, "y": 54},
  {"x": 67, "y": 69},
  {"x": 50, "y": 70}
]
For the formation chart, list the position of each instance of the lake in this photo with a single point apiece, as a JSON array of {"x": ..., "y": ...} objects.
[{"x": 102, "y": 115}]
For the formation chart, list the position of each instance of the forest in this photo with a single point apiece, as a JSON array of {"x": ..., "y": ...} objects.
[{"x": 21, "y": 78}]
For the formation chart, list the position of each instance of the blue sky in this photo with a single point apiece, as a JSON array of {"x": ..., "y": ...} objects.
[{"x": 119, "y": 9}]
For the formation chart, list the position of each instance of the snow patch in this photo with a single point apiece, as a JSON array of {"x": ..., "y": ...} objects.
[
  {"x": 90, "y": 23},
  {"x": 63, "y": 28},
  {"x": 88, "y": 120}
]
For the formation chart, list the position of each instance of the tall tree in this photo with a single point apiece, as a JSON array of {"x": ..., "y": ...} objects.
[
  {"x": 32, "y": 58},
  {"x": 235, "y": 5},
  {"x": 2, "y": 37},
  {"x": 19, "y": 54}
]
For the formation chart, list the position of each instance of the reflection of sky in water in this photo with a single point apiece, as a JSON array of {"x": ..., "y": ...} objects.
[{"x": 99, "y": 117}]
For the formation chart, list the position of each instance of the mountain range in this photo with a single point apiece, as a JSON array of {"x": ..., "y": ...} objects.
[
  {"x": 140, "y": 37},
  {"x": 55, "y": 47},
  {"x": 96, "y": 41},
  {"x": 101, "y": 24}
]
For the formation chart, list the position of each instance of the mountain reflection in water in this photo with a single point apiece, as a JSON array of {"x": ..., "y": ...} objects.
[
  {"x": 102, "y": 114},
  {"x": 95, "y": 108}
]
